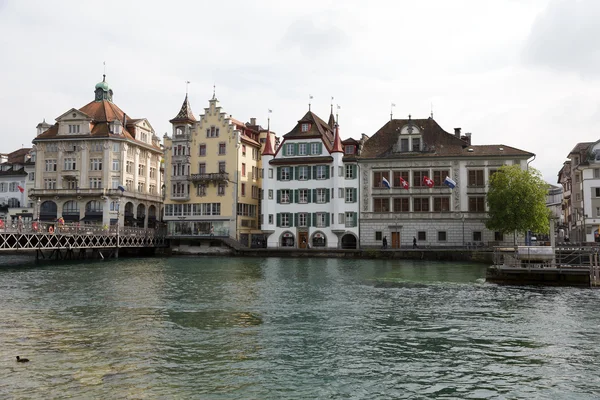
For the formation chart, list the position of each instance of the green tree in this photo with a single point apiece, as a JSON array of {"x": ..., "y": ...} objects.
[{"x": 517, "y": 201}]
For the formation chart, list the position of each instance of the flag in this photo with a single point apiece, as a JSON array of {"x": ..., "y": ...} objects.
[
  {"x": 121, "y": 188},
  {"x": 428, "y": 182},
  {"x": 386, "y": 183},
  {"x": 449, "y": 182},
  {"x": 404, "y": 183},
  {"x": 21, "y": 189}
]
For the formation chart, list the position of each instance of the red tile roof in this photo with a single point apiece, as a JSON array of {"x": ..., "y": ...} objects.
[{"x": 185, "y": 114}]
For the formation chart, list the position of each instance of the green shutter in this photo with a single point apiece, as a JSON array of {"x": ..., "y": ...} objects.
[
  {"x": 278, "y": 218},
  {"x": 296, "y": 196},
  {"x": 327, "y": 219},
  {"x": 314, "y": 195},
  {"x": 297, "y": 171},
  {"x": 354, "y": 219},
  {"x": 314, "y": 168},
  {"x": 291, "y": 173},
  {"x": 354, "y": 195},
  {"x": 278, "y": 198},
  {"x": 326, "y": 195},
  {"x": 327, "y": 169},
  {"x": 309, "y": 170},
  {"x": 314, "y": 219},
  {"x": 296, "y": 152},
  {"x": 308, "y": 199},
  {"x": 308, "y": 222},
  {"x": 296, "y": 219},
  {"x": 278, "y": 173},
  {"x": 354, "y": 172}
]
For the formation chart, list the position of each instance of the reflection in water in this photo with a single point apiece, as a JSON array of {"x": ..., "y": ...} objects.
[{"x": 287, "y": 328}]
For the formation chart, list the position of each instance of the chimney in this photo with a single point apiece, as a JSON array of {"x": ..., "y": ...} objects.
[
  {"x": 253, "y": 121},
  {"x": 467, "y": 138},
  {"x": 457, "y": 132}
]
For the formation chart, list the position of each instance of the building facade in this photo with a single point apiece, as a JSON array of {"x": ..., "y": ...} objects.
[
  {"x": 212, "y": 174},
  {"x": 15, "y": 178},
  {"x": 580, "y": 178},
  {"x": 96, "y": 165},
  {"x": 404, "y": 197},
  {"x": 310, "y": 187}
]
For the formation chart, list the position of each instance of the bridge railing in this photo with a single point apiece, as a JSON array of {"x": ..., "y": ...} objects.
[{"x": 77, "y": 229}]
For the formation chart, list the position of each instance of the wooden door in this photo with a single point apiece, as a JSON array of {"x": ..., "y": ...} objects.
[
  {"x": 395, "y": 240},
  {"x": 303, "y": 240}
]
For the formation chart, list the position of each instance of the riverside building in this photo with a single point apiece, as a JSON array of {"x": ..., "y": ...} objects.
[
  {"x": 406, "y": 197},
  {"x": 310, "y": 187},
  {"x": 97, "y": 165},
  {"x": 212, "y": 177}
]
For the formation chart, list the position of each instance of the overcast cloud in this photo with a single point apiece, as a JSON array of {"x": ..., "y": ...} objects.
[{"x": 522, "y": 73}]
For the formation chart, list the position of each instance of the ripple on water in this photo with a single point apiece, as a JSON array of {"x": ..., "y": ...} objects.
[{"x": 275, "y": 329}]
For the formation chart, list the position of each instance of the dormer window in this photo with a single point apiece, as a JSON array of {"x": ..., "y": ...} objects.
[
  {"x": 115, "y": 127},
  {"x": 305, "y": 127},
  {"x": 349, "y": 149},
  {"x": 409, "y": 139},
  {"x": 74, "y": 129}
]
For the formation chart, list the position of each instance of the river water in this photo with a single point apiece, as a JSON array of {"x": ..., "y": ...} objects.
[{"x": 250, "y": 328}]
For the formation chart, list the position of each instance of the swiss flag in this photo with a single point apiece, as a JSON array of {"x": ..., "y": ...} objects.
[
  {"x": 403, "y": 183},
  {"x": 20, "y": 189},
  {"x": 428, "y": 182}
]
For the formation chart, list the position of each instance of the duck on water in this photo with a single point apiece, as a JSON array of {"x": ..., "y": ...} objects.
[{"x": 19, "y": 359}]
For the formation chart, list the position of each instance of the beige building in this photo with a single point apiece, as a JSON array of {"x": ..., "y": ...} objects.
[
  {"x": 212, "y": 177},
  {"x": 96, "y": 165}
]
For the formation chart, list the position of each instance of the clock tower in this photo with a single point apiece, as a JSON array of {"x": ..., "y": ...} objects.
[{"x": 103, "y": 91}]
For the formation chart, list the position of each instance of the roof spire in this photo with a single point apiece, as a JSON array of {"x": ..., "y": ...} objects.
[
  {"x": 268, "y": 150},
  {"x": 331, "y": 121},
  {"x": 337, "y": 142},
  {"x": 310, "y": 97},
  {"x": 187, "y": 83},
  {"x": 269, "y": 121},
  {"x": 214, "y": 91},
  {"x": 104, "y": 74},
  {"x": 185, "y": 114},
  {"x": 431, "y": 110},
  {"x": 392, "y": 111}
]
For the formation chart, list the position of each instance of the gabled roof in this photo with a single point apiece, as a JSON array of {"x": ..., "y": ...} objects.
[
  {"x": 185, "y": 114},
  {"x": 103, "y": 111},
  {"x": 318, "y": 128}
]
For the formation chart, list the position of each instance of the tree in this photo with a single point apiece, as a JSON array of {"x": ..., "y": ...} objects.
[{"x": 517, "y": 201}]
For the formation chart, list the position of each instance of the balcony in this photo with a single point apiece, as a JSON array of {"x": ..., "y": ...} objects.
[
  {"x": 180, "y": 178},
  {"x": 182, "y": 136},
  {"x": 180, "y": 159},
  {"x": 212, "y": 177},
  {"x": 96, "y": 192},
  {"x": 180, "y": 196}
]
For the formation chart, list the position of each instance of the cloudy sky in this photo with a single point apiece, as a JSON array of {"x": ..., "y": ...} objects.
[{"x": 523, "y": 73}]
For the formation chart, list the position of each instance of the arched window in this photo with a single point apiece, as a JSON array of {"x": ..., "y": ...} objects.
[{"x": 93, "y": 206}]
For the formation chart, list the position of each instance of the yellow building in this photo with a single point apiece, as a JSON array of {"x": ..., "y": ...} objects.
[{"x": 212, "y": 177}]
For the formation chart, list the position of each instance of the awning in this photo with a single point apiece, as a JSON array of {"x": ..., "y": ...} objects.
[{"x": 91, "y": 218}]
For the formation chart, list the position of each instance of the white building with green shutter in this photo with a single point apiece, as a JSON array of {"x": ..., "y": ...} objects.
[{"x": 310, "y": 188}]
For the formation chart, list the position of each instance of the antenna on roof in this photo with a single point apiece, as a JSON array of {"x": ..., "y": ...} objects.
[
  {"x": 431, "y": 110},
  {"x": 214, "y": 91},
  {"x": 186, "y": 87},
  {"x": 310, "y": 97},
  {"x": 337, "y": 117},
  {"x": 392, "y": 111},
  {"x": 104, "y": 74},
  {"x": 269, "y": 120},
  {"x": 331, "y": 105}
]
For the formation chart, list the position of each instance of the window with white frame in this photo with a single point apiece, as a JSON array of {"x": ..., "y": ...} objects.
[
  {"x": 285, "y": 220},
  {"x": 305, "y": 127},
  {"x": 302, "y": 149},
  {"x": 285, "y": 196},
  {"x": 303, "y": 196},
  {"x": 270, "y": 194},
  {"x": 116, "y": 147},
  {"x": 221, "y": 189},
  {"x": 70, "y": 164},
  {"x": 202, "y": 190},
  {"x": 96, "y": 164},
  {"x": 49, "y": 183},
  {"x": 270, "y": 218},
  {"x": 315, "y": 148},
  {"x": 350, "y": 195},
  {"x": 152, "y": 172},
  {"x": 141, "y": 187},
  {"x": 115, "y": 182},
  {"x": 350, "y": 219},
  {"x": 96, "y": 146},
  {"x": 350, "y": 171},
  {"x": 289, "y": 149},
  {"x": 50, "y": 165},
  {"x": 303, "y": 172},
  {"x": 32, "y": 176},
  {"x": 321, "y": 195},
  {"x": 321, "y": 172},
  {"x": 321, "y": 220},
  {"x": 129, "y": 167},
  {"x": 302, "y": 220},
  {"x": 116, "y": 164},
  {"x": 270, "y": 173},
  {"x": 152, "y": 188},
  {"x": 95, "y": 183},
  {"x": 285, "y": 173},
  {"x": 74, "y": 129},
  {"x": 221, "y": 167},
  {"x": 212, "y": 132},
  {"x": 12, "y": 187},
  {"x": 52, "y": 147}
]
